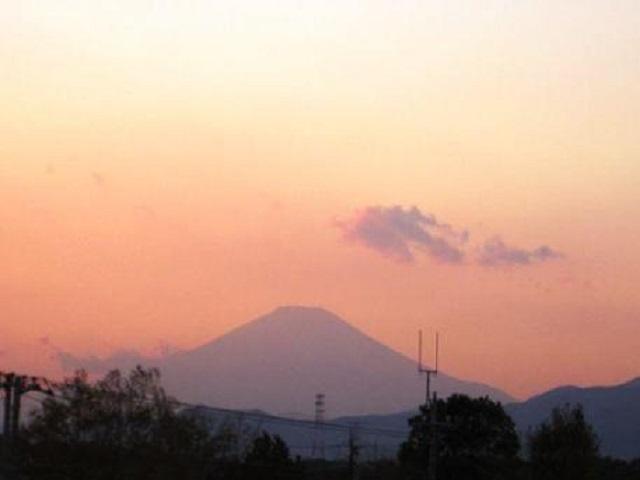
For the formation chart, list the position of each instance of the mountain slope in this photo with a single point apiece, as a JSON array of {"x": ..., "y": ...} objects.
[
  {"x": 613, "y": 411},
  {"x": 281, "y": 360}
]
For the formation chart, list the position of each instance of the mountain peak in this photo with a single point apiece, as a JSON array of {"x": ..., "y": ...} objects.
[
  {"x": 281, "y": 360},
  {"x": 295, "y": 308},
  {"x": 306, "y": 320},
  {"x": 303, "y": 312}
]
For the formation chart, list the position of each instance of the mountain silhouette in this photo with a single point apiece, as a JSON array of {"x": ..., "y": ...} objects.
[
  {"x": 279, "y": 362},
  {"x": 614, "y": 412}
]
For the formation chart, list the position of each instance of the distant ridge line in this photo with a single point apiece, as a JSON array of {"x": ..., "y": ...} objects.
[{"x": 340, "y": 427}]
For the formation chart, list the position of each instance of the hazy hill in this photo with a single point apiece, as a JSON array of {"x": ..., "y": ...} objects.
[
  {"x": 614, "y": 412},
  {"x": 280, "y": 361}
]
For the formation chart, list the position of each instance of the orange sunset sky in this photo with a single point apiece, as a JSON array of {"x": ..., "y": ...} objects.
[{"x": 170, "y": 170}]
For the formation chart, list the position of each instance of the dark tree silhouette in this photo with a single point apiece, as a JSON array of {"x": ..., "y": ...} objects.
[
  {"x": 565, "y": 447},
  {"x": 268, "y": 458},
  {"x": 476, "y": 440},
  {"x": 119, "y": 427}
]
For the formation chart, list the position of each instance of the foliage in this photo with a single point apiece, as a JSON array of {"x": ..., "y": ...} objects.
[
  {"x": 268, "y": 458},
  {"x": 616, "y": 469},
  {"x": 120, "y": 427},
  {"x": 126, "y": 427},
  {"x": 476, "y": 440},
  {"x": 565, "y": 447}
]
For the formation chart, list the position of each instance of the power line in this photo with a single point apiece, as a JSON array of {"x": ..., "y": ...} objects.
[
  {"x": 310, "y": 424},
  {"x": 39, "y": 385}
]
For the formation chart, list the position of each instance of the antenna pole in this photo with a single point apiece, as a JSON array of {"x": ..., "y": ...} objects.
[
  {"x": 437, "y": 342},
  {"x": 433, "y": 439},
  {"x": 419, "y": 350},
  {"x": 426, "y": 370},
  {"x": 432, "y": 406}
]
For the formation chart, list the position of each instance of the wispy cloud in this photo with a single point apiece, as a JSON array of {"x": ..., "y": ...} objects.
[
  {"x": 398, "y": 232},
  {"x": 494, "y": 252},
  {"x": 402, "y": 233}
]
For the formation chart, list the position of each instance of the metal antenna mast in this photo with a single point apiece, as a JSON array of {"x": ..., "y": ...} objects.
[
  {"x": 426, "y": 370},
  {"x": 432, "y": 405}
]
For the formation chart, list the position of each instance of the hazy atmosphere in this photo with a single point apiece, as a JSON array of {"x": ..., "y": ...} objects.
[{"x": 170, "y": 171}]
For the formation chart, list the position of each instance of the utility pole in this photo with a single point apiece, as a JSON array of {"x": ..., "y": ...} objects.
[
  {"x": 432, "y": 407},
  {"x": 433, "y": 438},
  {"x": 19, "y": 386},
  {"x": 6, "y": 383},
  {"x": 318, "y": 441},
  {"x": 426, "y": 370},
  {"x": 354, "y": 451},
  {"x": 15, "y": 386}
]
